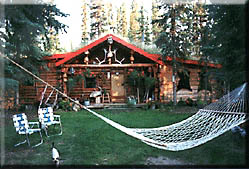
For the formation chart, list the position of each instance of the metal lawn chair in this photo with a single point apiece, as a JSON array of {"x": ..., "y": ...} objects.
[
  {"x": 47, "y": 118},
  {"x": 23, "y": 127}
]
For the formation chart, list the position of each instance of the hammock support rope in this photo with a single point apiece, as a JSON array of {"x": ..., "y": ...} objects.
[{"x": 208, "y": 123}]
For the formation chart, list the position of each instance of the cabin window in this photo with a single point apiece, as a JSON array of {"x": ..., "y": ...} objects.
[
  {"x": 183, "y": 81},
  {"x": 90, "y": 82}
]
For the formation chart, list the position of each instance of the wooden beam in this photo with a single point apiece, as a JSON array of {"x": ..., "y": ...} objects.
[{"x": 109, "y": 66}]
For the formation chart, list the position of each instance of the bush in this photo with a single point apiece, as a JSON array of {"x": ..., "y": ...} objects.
[
  {"x": 65, "y": 105},
  {"x": 190, "y": 102},
  {"x": 159, "y": 105},
  {"x": 181, "y": 102},
  {"x": 201, "y": 104}
]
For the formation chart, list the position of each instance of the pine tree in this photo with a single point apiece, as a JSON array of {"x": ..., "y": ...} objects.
[
  {"x": 143, "y": 33},
  {"x": 226, "y": 44},
  {"x": 175, "y": 37},
  {"x": 134, "y": 25},
  {"x": 54, "y": 42},
  {"x": 103, "y": 19},
  {"x": 124, "y": 25},
  {"x": 119, "y": 21},
  {"x": 110, "y": 18},
  {"x": 85, "y": 23},
  {"x": 141, "y": 21},
  {"x": 122, "y": 21},
  {"x": 95, "y": 16},
  {"x": 156, "y": 29},
  {"x": 147, "y": 32},
  {"x": 201, "y": 23},
  {"x": 26, "y": 36}
]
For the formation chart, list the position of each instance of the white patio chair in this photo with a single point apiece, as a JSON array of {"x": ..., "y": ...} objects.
[
  {"x": 47, "y": 118},
  {"x": 23, "y": 127}
]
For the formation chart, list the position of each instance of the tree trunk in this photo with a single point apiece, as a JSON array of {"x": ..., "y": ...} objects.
[
  {"x": 174, "y": 84},
  {"x": 173, "y": 29},
  {"x": 138, "y": 99}
]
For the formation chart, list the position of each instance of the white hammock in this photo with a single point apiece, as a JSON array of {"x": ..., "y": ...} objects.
[{"x": 208, "y": 123}]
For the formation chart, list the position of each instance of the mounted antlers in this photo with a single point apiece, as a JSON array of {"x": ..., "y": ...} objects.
[
  {"x": 100, "y": 62},
  {"x": 116, "y": 60},
  {"x": 109, "y": 54}
]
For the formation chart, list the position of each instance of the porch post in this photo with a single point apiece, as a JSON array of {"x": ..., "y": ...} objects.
[
  {"x": 194, "y": 83},
  {"x": 64, "y": 79}
]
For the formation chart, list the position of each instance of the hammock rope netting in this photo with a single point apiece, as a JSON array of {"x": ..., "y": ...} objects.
[{"x": 208, "y": 123}]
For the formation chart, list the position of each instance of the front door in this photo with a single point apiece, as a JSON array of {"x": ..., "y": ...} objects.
[{"x": 117, "y": 90}]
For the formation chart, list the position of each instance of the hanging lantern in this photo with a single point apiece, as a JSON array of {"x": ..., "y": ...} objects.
[
  {"x": 86, "y": 59},
  {"x": 71, "y": 70},
  {"x": 65, "y": 77}
]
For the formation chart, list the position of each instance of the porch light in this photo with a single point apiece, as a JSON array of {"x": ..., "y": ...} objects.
[{"x": 71, "y": 70}]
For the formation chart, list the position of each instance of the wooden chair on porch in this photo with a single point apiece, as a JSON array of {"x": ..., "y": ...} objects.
[{"x": 106, "y": 98}]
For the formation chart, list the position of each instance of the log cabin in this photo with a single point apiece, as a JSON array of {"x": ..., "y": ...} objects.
[{"x": 106, "y": 64}]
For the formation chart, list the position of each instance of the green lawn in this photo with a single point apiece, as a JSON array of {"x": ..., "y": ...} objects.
[{"x": 87, "y": 140}]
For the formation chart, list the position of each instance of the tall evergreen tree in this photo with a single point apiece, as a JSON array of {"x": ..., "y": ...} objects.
[
  {"x": 226, "y": 43},
  {"x": 119, "y": 21},
  {"x": 85, "y": 22},
  {"x": 54, "y": 42},
  {"x": 95, "y": 15},
  {"x": 141, "y": 21},
  {"x": 124, "y": 26},
  {"x": 201, "y": 35},
  {"x": 134, "y": 25},
  {"x": 175, "y": 37},
  {"x": 156, "y": 29},
  {"x": 103, "y": 18},
  {"x": 110, "y": 18},
  {"x": 26, "y": 36}
]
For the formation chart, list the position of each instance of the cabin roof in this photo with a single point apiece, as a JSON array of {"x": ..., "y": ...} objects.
[{"x": 154, "y": 57}]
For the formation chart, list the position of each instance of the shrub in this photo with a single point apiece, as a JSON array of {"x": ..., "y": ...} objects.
[
  {"x": 65, "y": 105},
  {"x": 181, "y": 102},
  {"x": 189, "y": 102},
  {"x": 201, "y": 104}
]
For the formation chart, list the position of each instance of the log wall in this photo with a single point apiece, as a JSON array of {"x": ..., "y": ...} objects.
[
  {"x": 33, "y": 94},
  {"x": 166, "y": 86}
]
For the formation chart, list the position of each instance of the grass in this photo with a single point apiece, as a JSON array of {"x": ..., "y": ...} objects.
[{"x": 87, "y": 140}]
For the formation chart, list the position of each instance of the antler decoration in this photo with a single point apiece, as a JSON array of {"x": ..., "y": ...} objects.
[
  {"x": 116, "y": 60},
  {"x": 100, "y": 62}
]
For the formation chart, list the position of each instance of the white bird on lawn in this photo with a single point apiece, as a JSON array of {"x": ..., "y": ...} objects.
[{"x": 55, "y": 155}]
